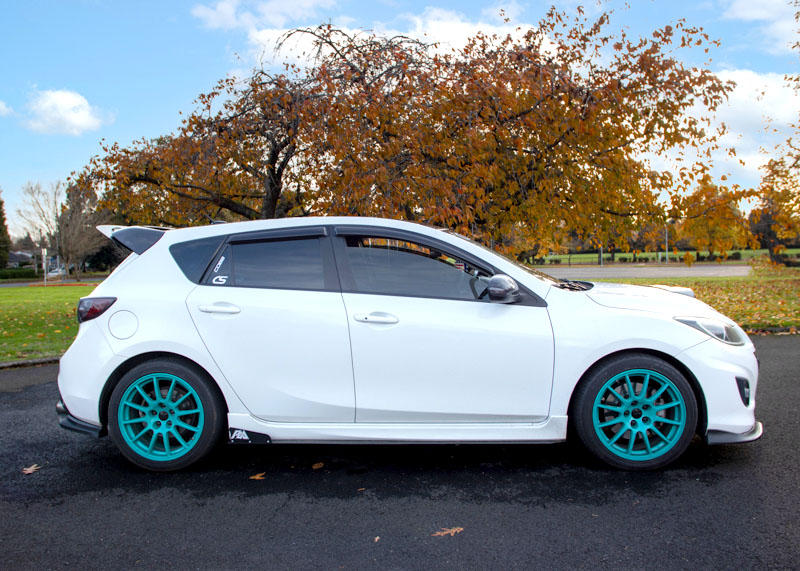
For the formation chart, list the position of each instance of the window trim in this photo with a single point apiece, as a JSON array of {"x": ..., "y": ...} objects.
[{"x": 347, "y": 281}]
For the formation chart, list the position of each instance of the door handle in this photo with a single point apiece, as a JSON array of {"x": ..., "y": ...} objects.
[
  {"x": 376, "y": 317},
  {"x": 228, "y": 308}
]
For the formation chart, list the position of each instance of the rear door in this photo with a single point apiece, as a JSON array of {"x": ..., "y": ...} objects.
[{"x": 270, "y": 312}]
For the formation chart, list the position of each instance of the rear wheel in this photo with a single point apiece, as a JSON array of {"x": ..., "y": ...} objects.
[
  {"x": 636, "y": 412},
  {"x": 164, "y": 415}
]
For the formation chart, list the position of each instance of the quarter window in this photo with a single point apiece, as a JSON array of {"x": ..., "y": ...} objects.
[{"x": 399, "y": 267}]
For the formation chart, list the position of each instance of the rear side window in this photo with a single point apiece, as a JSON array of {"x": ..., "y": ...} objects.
[
  {"x": 194, "y": 256},
  {"x": 278, "y": 264}
]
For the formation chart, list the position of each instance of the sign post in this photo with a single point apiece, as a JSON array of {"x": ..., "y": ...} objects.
[{"x": 44, "y": 264}]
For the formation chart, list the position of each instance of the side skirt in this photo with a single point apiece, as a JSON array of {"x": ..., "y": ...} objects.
[{"x": 245, "y": 429}]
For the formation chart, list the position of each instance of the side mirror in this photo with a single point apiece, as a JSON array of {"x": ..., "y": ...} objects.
[{"x": 503, "y": 289}]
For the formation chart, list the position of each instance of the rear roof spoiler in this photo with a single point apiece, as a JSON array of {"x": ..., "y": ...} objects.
[{"x": 138, "y": 239}]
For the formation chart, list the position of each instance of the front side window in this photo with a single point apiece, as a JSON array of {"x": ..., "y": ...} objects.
[
  {"x": 279, "y": 264},
  {"x": 400, "y": 267}
]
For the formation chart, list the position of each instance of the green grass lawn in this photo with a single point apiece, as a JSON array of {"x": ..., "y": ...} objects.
[
  {"x": 767, "y": 299},
  {"x": 38, "y": 322}
]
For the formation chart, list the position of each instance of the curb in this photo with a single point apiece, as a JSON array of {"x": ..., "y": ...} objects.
[{"x": 29, "y": 363}]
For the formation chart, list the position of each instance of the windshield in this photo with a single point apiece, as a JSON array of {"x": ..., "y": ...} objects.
[{"x": 539, "y": 274}]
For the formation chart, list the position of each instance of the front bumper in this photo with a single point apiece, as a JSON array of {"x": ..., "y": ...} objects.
[
  {"x": 66, "y": 420},
  {"x": 720, "y": 437}
]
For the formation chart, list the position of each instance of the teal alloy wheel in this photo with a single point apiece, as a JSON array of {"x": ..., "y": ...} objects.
[
  {"x": 165, "y": 414},
  {"x": 160, "y": 417},
  {"x": 635, "y": 411},
  {"x": 639, "y": 414}
]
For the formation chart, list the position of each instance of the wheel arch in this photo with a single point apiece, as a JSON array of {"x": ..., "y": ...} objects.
[
  {"x": 702, "y": 416},
  {"x": 122, "y": 369}
]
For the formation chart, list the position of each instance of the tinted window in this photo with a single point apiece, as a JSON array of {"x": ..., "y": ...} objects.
[
  {"x": 399, "y": 267},
  {"x": 284, "y": 264},
  {"x": 194, "y": 256}
]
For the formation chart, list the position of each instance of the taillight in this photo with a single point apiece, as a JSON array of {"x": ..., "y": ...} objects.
[{"x": 91, "y": 307}]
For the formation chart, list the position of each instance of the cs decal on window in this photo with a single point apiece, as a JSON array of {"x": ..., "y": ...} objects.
[{"x": 219, "y": 280}]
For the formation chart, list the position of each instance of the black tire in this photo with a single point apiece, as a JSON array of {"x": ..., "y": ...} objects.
[
  {"x": 165, "y": 415},
  {"x": 635, "y": 412}
]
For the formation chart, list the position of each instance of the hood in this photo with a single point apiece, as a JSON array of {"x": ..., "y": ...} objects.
[{"x": 655, "y": 299}]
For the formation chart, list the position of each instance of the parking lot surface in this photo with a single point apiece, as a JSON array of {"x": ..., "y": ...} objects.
[{"x": 380, "y": 507}]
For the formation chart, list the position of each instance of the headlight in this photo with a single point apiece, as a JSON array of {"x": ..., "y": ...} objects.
[{"x": 725, "y": 332}]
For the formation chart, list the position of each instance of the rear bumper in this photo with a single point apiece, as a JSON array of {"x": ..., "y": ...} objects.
[
  {"x": 720, "y": 437},
  {"x": 69, "y": 422}
]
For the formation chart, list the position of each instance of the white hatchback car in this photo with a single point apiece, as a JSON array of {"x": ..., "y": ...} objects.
[{"x": 369, "y": 330}]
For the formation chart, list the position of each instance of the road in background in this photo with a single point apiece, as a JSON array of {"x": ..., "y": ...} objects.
[
  {"x": 379, "y": 507},
  {"x": 650, "y": 271}
]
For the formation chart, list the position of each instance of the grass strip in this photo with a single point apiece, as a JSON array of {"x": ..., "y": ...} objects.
[{"x": 38, "y": 322}]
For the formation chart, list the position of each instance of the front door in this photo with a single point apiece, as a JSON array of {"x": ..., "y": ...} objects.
[{"x": 428, "y": 347}]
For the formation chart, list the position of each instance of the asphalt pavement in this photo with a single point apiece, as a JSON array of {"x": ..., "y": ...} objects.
[{"x": 380, "y": 507}]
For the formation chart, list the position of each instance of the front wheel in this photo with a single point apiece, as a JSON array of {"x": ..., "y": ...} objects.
[
  {"x": 636, "y": 412},
  {"x": 164, "y": 415}
]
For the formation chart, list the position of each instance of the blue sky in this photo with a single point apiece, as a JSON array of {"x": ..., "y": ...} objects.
[{"x": 75, "y": 72}]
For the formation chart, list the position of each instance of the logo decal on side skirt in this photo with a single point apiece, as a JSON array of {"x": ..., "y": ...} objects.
[{"x": 237, "y": 434}]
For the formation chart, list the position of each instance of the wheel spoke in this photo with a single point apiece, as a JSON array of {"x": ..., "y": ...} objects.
[
  {"x": 138, "y": 436},
  {"x": 178, "y": 437},
  {"x": 632, "y": 440},
  {"x": 152, "y": 442},
  {"x": 654, "y": 398},
  {"x": 144, "y": 395},
  {"x": 619, "y": 396},
  {"x": 187, "y": 426},
  {"x": 618, "y": 435},
  {"x": 135, "y": 420},
  {"x": 156, "y": 389},
  {"x": 659, "y": 408},
  {"x": 629, "y": 385},
  {"x": 647, "y": 442},
  {"x": 183, "y": 398},
  {"x": 165, "y": 437},
  {"x": 665, "y": 420},
  {"x": 660, "y": 435},
  {"x": 185, "y": 412},
  {"x": 138, "y": 407},
  {"x": 609, "y": 407},
  {"x": 617, "y": 420},
  {"x": 643, "y": 392},
  {"x": 170, "y": 391}
]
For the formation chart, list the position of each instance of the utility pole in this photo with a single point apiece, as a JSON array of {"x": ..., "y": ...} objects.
[{"x": 666, "y": 243}]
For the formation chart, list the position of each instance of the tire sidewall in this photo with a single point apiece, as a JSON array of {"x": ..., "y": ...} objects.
[
  {"x": 213, "y": 412},
  {"x": 594, "y": 382}
]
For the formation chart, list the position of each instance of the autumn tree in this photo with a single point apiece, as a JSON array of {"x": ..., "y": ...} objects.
[
  {"x": 517, "y": 140},
  {"x": 235, "y": 162},
  {"x": 776, "y": 218},
  {"x": 712, "y": 219}
]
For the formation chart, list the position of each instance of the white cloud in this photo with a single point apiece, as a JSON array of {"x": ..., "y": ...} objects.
[
  {"x": 63, "y": 112},
  {"x": 5, "y": 109},
  {"x": 226, "y": 14},
  {"x": 778, "y": 28}
]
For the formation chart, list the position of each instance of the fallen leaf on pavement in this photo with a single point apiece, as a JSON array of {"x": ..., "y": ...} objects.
[
  {"x": 258, "y": 476},
  {"x": 377, "y": 539},
  {"x": 31, "y": 469},
  {"x": 317, "y": 466},
  {"x": 451, "y": 531}
]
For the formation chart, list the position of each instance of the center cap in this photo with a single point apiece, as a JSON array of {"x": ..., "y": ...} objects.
[
  {"x": 636, "y": 413},
  {"x": 163, "y": 415}
]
